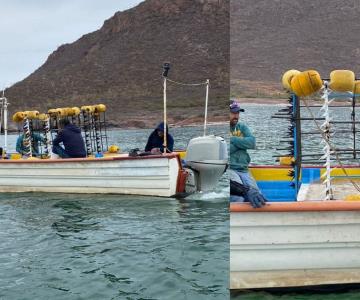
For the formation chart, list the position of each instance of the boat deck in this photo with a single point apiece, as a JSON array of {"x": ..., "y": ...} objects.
[{"x": 341, "y": 188}]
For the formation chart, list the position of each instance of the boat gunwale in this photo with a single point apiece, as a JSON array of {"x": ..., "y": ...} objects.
[
  {"x": 88, "y": 159},
  {"x": 303, "y": 206}
]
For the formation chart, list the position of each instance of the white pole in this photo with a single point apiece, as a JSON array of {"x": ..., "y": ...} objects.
[
  {"x": 327, "y": 149},
  {"x": 5, "y": 125},
  {"x": 165, "y": 121},
  {"x": 27, "y": 135},
  {"x": 206, "y": 105}
]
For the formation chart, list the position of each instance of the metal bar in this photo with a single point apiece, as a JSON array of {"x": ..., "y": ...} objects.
[
  {"x": 332, "y": 106},
  {"x": 331, "y": 132},
  {"x": 353, "y": 124}
]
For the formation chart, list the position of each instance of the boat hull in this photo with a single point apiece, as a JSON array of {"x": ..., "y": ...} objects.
[
  {"x": 153, "y": 175},
  {"x": 294, "y": 244}
]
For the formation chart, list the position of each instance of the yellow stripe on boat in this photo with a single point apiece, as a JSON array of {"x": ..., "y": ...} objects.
[
  {"x": 353, "y": 197},
  {"x": 270, "y": 174},
  {"x": 339, "y": 172}
]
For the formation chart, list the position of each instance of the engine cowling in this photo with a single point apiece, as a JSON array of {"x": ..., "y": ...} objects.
[{"x": 207, "y": 156}]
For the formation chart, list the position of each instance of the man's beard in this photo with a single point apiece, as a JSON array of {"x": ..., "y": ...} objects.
[{"x": 233, "y": 121}]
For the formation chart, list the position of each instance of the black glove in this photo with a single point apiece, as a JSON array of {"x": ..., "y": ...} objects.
[
  {"x": 255, "y": 198},
  {"x": 238, "y": 189}
]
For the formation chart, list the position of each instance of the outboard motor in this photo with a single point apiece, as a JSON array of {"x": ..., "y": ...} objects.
[{"x": 207, "y": 159}]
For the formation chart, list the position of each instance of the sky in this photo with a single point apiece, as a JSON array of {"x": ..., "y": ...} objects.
[{"x": 30, "y": 30}]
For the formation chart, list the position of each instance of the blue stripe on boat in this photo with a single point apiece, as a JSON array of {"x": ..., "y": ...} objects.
[{"x": 277, "y": 191}]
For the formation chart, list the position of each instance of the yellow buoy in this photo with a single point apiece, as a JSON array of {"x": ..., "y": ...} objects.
[
  {"x": 18, "y": 116},
  {"x": 100, "y": 108},
  {"x": 15, "y": 156},
  {"x": 114, "y": 149},
  {"x": 355, "y": 197},
  {"x": 88, "y": 108},
  {"x": 286, "y": 79},
  {"x": 43, "y": 117},
  {"x": 357, "y": 88},
  {"x": 52, "y": 111},
  {"x": 306, "y": 83},
  {"x": 342, "y": 81},
  {"x": 76, "y": 111},
  {"x": 31, "y": 114},
  {"x": 67, "y": 111},
  {"x": 61, "y": 112}
]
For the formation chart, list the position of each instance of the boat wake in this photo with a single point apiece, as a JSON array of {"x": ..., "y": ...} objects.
[{"x": 222, "y": 193}]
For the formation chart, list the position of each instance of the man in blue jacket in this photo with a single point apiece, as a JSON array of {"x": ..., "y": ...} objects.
[
  {"x": 241, "y": 139},
  {"x": 155, "y": 141},
  {"x": 72, "y": 140}
]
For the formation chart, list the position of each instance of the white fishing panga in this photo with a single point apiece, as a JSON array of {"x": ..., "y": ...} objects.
[
  {"x": 153, "y": 175},
  {"x": 105, "y": 169}
]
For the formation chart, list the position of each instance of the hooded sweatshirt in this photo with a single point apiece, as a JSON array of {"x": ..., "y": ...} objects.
[
  {"x": 241, "y": 139},
  {"x": 72, "y": 139},
  {"x": 155, "y": 141}
]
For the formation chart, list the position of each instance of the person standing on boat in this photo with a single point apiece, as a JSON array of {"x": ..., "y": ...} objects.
[
  {"x": 155, "y": 142},
  {"x": 70, "y": 136},
  {"x": 241, "y": 139}
]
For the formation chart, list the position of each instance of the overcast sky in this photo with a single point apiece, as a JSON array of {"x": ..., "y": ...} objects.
[{"x": 30, "y": 30}]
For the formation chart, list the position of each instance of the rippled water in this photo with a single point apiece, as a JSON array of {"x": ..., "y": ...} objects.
[{"x": 63, "y": 246}]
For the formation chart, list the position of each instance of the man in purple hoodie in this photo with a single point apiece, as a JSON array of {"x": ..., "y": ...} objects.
[{"x": 72, "y": 140}]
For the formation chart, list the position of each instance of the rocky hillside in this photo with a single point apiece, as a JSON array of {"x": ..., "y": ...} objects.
[
  {"x": 121, "y": 64},
  {"x": 270, "y": 37}
]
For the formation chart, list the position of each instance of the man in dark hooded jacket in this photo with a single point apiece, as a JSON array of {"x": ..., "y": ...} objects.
[
  {"x": 155, "y": 142},
  {"x": 72, "y": 140}
]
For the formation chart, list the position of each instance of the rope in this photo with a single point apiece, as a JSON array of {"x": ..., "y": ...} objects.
[
  {"x": 187, "y": 84},
  {"x": 331, "y": 146}
]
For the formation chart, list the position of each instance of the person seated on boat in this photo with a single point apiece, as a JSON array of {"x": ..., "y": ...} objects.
[
  {"x": 241, "y": 139},
  {"x": 155, "y": 142},
  {"x": 23, "y": 149},
  {"x": 70, "y": 136},
  {"x": 239, "y": 191}
]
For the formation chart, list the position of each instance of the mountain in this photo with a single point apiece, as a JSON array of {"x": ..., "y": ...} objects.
[
  {"x": 120, "y": 65},
  {"x": 269, "y": 37}
]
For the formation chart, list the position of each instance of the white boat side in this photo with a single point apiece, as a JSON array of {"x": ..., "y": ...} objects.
[
  {"x": 294, "y": 244},
  {"x": 149, "y": 175}
]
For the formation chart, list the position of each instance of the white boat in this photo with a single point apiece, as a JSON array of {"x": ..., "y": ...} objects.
[
  {"x": 160, "y": 175},
  {"x": 163, "y": 174},
  {"x": 154, "y": 175},
  {"x": 294, "y": 244}
]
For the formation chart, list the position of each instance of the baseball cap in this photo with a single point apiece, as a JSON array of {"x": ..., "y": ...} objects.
[{"x": 235, "y": 107}]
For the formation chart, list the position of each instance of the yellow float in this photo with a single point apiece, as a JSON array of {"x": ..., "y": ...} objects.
[
  {"x": 342, "y": 81},
  {"x": 306, "y": 83},
  {"x": 286, "y": 79}
]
